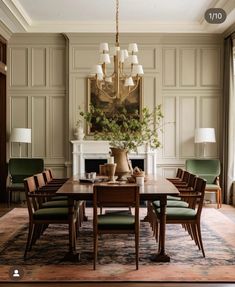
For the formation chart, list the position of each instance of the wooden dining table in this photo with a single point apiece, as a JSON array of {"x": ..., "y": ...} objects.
[{"x": 154, "y": 188}]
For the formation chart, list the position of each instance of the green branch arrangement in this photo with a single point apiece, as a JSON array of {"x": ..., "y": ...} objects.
[{"x": 126, "y": 130}]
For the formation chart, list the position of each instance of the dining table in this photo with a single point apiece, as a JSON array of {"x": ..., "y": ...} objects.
[{"x": 155, "y": 188}]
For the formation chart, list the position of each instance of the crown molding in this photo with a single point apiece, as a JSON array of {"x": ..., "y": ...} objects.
[
  {"x": 5, "y": 32},
  {"x": 17, "y": 20},
  {"x": 13, "y": 17}
]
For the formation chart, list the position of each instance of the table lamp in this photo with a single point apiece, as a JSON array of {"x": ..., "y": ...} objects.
[
  {"x": 204, "y": 135},
  {"x": 21, "y": 135}
]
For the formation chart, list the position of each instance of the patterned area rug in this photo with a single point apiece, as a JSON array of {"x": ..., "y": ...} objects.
[{"x": 116, "y": 257}]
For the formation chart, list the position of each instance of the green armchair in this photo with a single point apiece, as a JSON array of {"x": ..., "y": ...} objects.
[
  {"x": 209, "y": 169},
  {"x": 18, "y": 170}
]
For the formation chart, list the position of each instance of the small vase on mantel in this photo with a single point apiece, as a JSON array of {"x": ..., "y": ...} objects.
[
  {"x": 121, "y": 159},
  {"x": 79, "y": 133}
]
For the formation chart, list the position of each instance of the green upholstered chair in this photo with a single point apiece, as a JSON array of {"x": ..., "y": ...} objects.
[
  {"x": 188, "y": 217},
  {"x": 209, "y": 169},
  {"x": 40, "y": 218},
  {"x": 18, "y": 170},
  {"x": 114, "y": 223}
]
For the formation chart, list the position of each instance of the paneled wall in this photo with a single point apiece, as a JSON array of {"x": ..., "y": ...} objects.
[
  {"x": 48, "y": 83},
  {"x": 37, "y": 96},
  {"x": 182, "y": 72}
]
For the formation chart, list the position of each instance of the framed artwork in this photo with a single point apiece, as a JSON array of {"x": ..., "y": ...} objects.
[{"x": 109, "y": 104}]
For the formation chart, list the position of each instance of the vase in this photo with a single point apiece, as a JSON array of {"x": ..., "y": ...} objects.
[
  {"x": 121, "y": 159},
  {"x": 79, "y": 134}
]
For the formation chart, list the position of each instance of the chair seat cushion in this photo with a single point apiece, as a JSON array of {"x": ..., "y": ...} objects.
[
  {"x": 112, "y": 221},
  {"x": 55, "y": 203},
  {"x": 171, "y": 203},
  {"x": 212, "y": 187},
  {"x": 59, "y": 197},
  {"x": 170, "y": 197},
  {"x": 17, "y": 186},
  {"x": 178, "y": 213},
  {"x": 58, "y": 213}
]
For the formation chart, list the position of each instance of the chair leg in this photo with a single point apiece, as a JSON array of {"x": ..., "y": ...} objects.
[
  {"x": 137, "y": 251},
  {"x": 31, "y": 227},
  {"x": 195, "y": 235},
  {"x": 95, "y": 238},
  {"x": 36, "y": 235},
  {"x": 219, "y": 198},
  {"x": 9, "y": 199},
  {"x": 200, "y": 237}
]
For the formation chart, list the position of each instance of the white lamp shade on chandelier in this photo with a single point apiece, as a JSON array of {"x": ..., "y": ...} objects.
[
  {"x": 205, "y": 135},
  {"x": 126, "y": 68}
]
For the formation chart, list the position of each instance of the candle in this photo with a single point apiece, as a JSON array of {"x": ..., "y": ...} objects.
[{"x": 111, "y": 159}]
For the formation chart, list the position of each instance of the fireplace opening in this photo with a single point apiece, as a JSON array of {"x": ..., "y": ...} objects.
[
  {"x": 92, "y": 165},
  {"x": 139, "y": 162}
]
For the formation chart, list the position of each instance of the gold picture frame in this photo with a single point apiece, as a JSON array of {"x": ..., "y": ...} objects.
[{"x": 131, "y": 102}]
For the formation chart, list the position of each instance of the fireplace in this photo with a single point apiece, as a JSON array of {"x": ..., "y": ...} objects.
[
  {"x": 89, "y": 154},
  {"x": 93, "y": 164}
]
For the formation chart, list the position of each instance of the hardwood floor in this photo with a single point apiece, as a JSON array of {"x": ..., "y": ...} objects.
[{"x": 112, "y": 284}]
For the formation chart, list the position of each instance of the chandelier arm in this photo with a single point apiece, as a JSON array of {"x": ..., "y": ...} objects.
[
  {"x": 136, "y": 86},
  {"x": 103, "y": 92}
]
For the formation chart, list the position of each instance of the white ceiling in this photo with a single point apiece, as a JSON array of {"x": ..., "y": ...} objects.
[{"x": 99, "y": 15}]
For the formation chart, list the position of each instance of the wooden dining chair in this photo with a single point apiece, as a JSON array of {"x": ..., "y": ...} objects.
[
  {"x": 55, "y": 200},
  {"x": 114, "y": 223},
  {"x": 39, "y": 218},
  {"x": 189, "y": 218}
]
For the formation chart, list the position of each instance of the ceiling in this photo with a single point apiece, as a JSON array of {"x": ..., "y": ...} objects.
[{"x": 166, "y": 16}]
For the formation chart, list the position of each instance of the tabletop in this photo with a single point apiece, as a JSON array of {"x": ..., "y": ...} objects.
[{"x": 154, "y": 187}]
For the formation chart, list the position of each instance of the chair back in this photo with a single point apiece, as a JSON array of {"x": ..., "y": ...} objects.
[
  {"x": 116, "y": 196},
  {"x": 30, "y": 190},
  {"x": 208, "y": 169},
  {"x": 21, "y": 168},
  {"x": 47, "y": 176},
  {"x": 200, "y": 186},
  {"x": 39, "y": 180},
  {"x": 179, "y": 172}
]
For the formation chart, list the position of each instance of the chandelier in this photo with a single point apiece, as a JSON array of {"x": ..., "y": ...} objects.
[{"x": 126, "y": 74}]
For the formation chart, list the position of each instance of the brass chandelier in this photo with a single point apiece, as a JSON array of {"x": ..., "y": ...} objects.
[{"x": 126, "y": 74}]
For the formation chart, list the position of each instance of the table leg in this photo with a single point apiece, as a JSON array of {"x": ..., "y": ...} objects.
[
  {"x": 161, "y": 256},
  {"x": 72, "y": 254}
]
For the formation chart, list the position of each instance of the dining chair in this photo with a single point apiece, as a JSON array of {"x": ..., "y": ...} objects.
[
  {"x": 189, "y": 217},
  {"x": 209, "y": 169},
  {"x": 39, "y": 218},
  {"x": 18, "y": 170},
  {"x": 116, "y": 223},
  {"x": 55, "y": 200}
]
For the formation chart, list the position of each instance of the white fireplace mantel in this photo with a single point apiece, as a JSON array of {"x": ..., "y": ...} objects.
[{"x": 96, "y": 149}]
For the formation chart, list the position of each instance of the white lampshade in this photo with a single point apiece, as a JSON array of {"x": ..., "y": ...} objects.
[
  {"x": 203, "y": 135},
  {"x": 104, "y": 58},
  {"x": 129, "y": 82},
  {"x": 137, "y": 69},
  {"x": 132, "y": 59},
  {"x": 21, "y": 135},
  {"x": 104, "y": 47},
  {"x": 133, "y": 48},
  {"x": 97, "y": 69}
]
